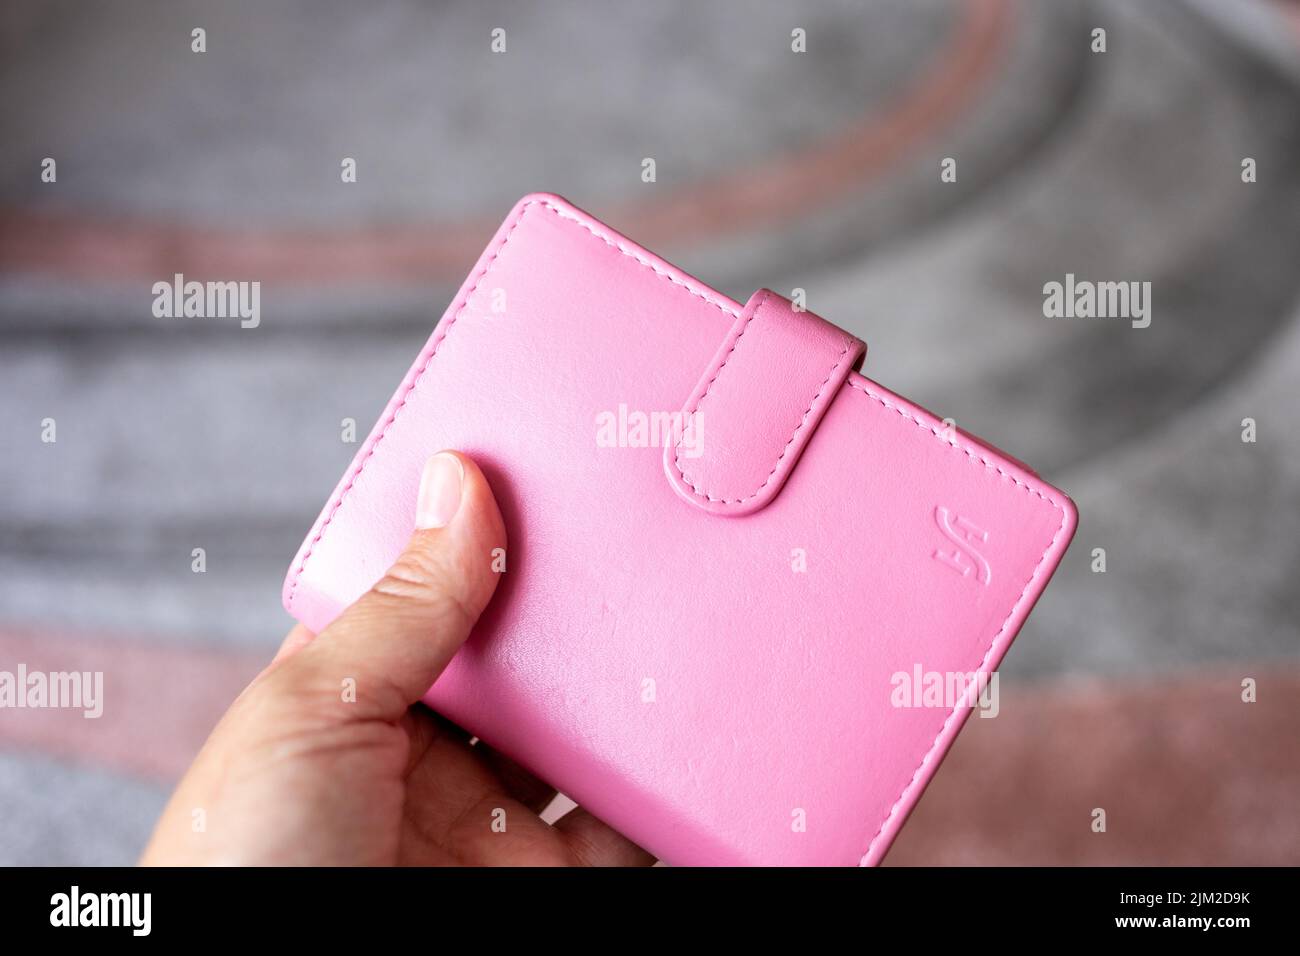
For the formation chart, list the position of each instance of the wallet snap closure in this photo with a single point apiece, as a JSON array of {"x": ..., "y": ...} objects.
[{"x": 757, "y": 404}]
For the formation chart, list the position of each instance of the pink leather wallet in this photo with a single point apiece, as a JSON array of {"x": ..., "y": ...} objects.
[{"x": 728, "y": 551}]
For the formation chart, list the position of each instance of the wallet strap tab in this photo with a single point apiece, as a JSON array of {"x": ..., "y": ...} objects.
[{"x": 757, "y": 404}]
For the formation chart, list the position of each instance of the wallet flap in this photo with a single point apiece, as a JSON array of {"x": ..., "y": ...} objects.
[{"x": 757, "y": 404}]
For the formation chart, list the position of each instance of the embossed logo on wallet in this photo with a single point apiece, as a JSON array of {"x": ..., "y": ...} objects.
[{"x": 965, "y": 557}]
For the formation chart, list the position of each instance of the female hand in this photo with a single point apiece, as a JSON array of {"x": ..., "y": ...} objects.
[{"x": 298, "y": 773}]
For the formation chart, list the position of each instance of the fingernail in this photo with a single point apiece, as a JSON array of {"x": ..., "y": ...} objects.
[{"x": 439, "y": 491}]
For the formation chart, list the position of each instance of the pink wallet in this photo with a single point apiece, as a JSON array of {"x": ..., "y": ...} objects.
[{"x": 728, "y": 551}]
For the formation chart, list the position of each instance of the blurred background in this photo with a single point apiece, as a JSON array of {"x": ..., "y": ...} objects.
[{"x": 817, "y": 170}]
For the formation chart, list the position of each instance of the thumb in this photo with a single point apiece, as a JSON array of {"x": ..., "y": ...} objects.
[{"x": 400, "y": 635}]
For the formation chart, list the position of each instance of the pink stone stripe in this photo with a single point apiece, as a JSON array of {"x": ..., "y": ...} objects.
[
  {"x": 770, "y": 190},
  {"x": 160, "y": 700}
]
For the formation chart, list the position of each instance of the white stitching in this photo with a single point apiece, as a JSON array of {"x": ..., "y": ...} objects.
[
  {"x": 443, "y": 330},
  {"x": 974, "y": 457},
  {"x": 803, "y": 422}
]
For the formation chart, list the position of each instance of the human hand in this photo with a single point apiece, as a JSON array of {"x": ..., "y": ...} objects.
[{"x": 297, "y": 774}]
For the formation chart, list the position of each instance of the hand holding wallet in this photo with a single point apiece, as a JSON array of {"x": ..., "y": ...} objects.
[{"x": 701, "y": 623}]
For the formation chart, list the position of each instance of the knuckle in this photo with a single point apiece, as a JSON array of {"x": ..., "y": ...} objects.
[
  {"x": 421, "y": 579},
  {"x": 417, "y": 574}
]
